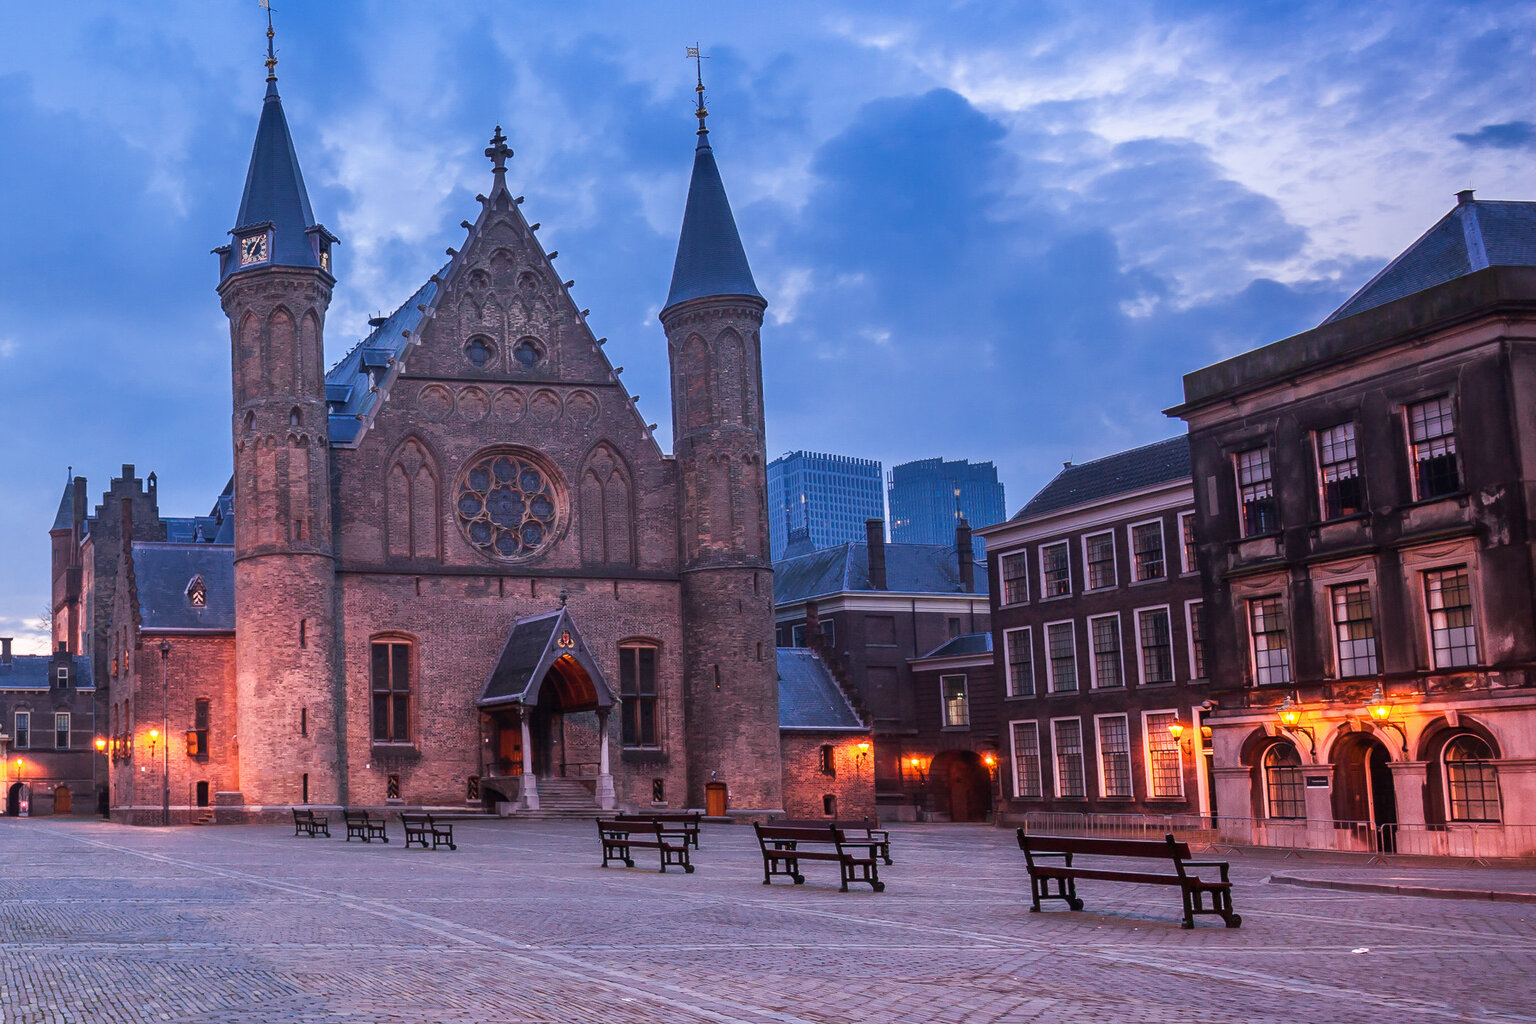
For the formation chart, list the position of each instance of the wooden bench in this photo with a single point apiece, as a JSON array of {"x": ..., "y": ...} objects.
[
  {"x": 862, "y": 832},
  {"x": 673, "y": 823},
  {"x": 308, "y": 823},
  {"x": 621, "y": 837},
  {"x": 361, "y": 826},
  {"x": 1060, "y": 872},
  {"x": 419, "y": 828},
  {"x": 784, "y": 847}
]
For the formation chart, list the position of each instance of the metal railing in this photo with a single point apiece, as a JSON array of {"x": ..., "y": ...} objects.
[{"x": 1474, "y": 841}]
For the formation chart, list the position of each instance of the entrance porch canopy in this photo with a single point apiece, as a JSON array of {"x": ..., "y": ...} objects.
[{"x": 545, "y": 659}]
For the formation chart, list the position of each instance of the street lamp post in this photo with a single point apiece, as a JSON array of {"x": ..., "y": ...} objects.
[{"x": 165, "y": 708}]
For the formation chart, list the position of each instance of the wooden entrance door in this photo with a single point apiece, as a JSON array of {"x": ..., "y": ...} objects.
[
  {"x": 509, "y": 746},
  {"x": 62, "y": 800},
  {"x": 714, "y": 800}
]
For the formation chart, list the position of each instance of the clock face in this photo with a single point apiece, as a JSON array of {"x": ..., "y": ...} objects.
[{"x": 253, "y": 249}]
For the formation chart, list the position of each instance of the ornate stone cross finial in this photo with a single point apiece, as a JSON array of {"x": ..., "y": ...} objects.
[{"x": 498, "y": 151}]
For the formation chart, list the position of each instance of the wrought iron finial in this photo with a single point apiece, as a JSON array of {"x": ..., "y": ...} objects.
[
  {"x": 698, "y": 64},
  {"x": 266, "y": 5},
  {"x": 499, "y": 151}
]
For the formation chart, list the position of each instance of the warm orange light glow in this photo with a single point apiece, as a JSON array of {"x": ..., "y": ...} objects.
[
  {"x": 863, "y": 746},
  {"x": 1378, "y": 708},
  {"x": 989, "y": 760},
  {"x": 1290, "y": 717},
  {"x": 915, "y": 762},
  {"x": 154, "y": 734},
  {"x": 1175, "y": 729},
  {"x": 101, "y": 744}
]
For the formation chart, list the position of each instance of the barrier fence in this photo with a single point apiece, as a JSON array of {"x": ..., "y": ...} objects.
[{"x": 1475, "y": 841}]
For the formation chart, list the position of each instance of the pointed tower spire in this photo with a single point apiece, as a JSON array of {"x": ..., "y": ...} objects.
[
  {"x": 710, "y": 257},
  {"x": 275, "y": 225}
]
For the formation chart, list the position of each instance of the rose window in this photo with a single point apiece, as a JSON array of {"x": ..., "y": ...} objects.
[{"x": 507, "y": 505}]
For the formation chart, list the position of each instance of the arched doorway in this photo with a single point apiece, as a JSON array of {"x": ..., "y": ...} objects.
[
  {"x": 63, "y": 799},
  {"x": 14, "y": 798},
  {"x": 1362, "y": 784},
  {"x": 961, "y": 785}
]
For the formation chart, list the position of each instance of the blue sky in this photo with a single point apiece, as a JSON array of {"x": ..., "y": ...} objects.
[{"x": 986, "y": 230}]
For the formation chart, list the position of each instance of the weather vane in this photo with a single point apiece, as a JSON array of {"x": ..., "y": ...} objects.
[
  {"x": 266, "y": 5},
  {"x": 698, "y": 62}
]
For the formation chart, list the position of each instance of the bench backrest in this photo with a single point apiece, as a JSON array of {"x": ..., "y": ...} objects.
[
  {"x": 798, "y": 833},
  {"x": 299, "y": 815},
  {"x": 355, "y": 815},
  {"x": 629, "y": 825},
  {"x": 667, "y": 816},
  {"x": 415, "y": 819},
  {"x": 1166, "y": 848}
]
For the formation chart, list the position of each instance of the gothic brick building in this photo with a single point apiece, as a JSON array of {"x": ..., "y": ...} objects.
[{"x": 461, "y": 570}]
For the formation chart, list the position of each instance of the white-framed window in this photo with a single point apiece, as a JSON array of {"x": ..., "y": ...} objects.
[
  {"x": 1189, "y": 549},
  {"x": 23, "y": 731},
  {"x": 1432, "y": 444},
  {"x": 1338, "y": 472},
  {"x": 1194, "y": 622},
  {"x": 1267, "y": 634},
  {"x": 1067, "y": 749},
  {"x": 1165, "y": 761},
  {"x": 797, "y": 635},
  {"x": 1154, "y": 638},
  {"x": 1354, "y": 632},
  {"x": 1026, "y": 760},
  {"x": 1148, "y": 557},
  {"x": 1015, "y": 570},
  {"x": 1099, "y": 561},
  {"x": 1061, "y": 654},
  {"x": 1114, "y": 756},
  {"x": 1106, "y": 667},
  {"x": 1256, "y": 492},
  {"x": 1055, "y": 569},
  {"x": 1019, "y": 659},
  {"x": 1284, "y": 787},
  {"x": 1471, "y": 779},
  {"x": 61, "y": 730},
  {"x": 62, "y": 675},
  {"x": 957, "y": 703},
  {"x": 1452, "y": 632}
]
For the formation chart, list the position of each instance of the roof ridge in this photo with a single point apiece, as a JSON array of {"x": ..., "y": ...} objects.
[{"x": 1123, "y": 452}]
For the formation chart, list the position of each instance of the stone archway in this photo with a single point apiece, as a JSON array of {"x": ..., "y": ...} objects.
[
  {"x": 1362, "y": 781},
  {"x": 961, "y": 786},
  {"x": 14, "y": 797}
]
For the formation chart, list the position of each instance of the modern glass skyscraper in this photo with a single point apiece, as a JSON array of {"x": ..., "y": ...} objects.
[
  {"x": 928, "y": 496},
  {"x": 831, "y": 496}
]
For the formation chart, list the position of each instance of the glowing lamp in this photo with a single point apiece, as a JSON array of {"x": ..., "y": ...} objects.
[
  {"x": 101, "y": 744},
  {"x": 154, "y": 734},
  {"x": 915, "y": 762},
  {"x": 1378, "y": 708},
  {"x": 989, "y": 760},
  {"x": 1175, "y": 729},
  {"x": 863, "y": 746},
  {"x": 1289, "y": 716}
]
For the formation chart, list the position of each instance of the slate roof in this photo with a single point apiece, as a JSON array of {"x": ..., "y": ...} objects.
[
  {"x": 710, "y": 258},
  {"x": 1123, "y": 472},
  {"x": 967, "y": 643},
  {"x": 909, "y": 569},
  {"x": 527, "y": 655},
  {"x": 162, "y": 572},
  {"x": 809, "y": 698},
  {"x": 1475, "y": 235},
  {"x": 275, "y": 194},
  {"x": 30, "y": 672},
  {"x": 66, "y": 518},
  {"x": 351, "y": 390}
]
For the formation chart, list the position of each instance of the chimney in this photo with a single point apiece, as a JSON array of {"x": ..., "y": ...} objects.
[
  {"x": 5, "y": 651},
  {"x": 967, "y": 556},
  {"x": 813, "y": 638},
  {"x": 874, "y": 536},
  {"x": 1464, "y": 196},
  {"x": 79, "y": 510}
]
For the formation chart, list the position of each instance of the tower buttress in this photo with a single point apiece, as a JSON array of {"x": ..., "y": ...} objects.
[
  {"x": 712, "y": 319},
  {"x": 275, "y": 286}
]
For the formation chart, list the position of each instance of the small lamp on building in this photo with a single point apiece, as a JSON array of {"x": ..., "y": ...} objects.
[
  {"x": 1378, "y": 708},
  {"x": 101, "y": 744},
  {"x": 917, "y": 769},
  {"x": 990, "y": 760},
  {"x": 1176, "y": 730},
  {"x": 1289, "y": 715}
]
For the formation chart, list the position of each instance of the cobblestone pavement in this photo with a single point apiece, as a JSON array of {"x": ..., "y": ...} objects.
[{"x": 248, "y": 925}]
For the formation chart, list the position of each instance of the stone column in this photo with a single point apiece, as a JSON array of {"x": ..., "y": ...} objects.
[
  {"x": 606, "y": 798},
  {"x": 1319, "y": 805},
  {"x": 530, "y": 787},
  {"x": 1234, "y": 802}
]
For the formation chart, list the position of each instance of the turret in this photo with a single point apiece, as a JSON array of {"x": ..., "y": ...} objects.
[
  {"x": 712, "y": 318},
  {"x": 275, "y": 285}
]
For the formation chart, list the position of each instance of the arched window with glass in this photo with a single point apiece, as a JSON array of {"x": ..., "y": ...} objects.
[
  {"x": 1471, "y": 779},
  {"x": 1283, "y": 783}
]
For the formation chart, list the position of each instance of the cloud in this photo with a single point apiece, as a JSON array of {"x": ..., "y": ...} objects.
[
  {"x": 8, "y": 347},
  {"x": 1509, "y": 135}
]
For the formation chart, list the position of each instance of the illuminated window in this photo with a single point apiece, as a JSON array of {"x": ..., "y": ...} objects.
[
  {"x": 957, "y": 705},
  {"x": 1339, "y": 472},
  {"x": 1056, "y": 570},
  {"x": 1165, "y": 766}
]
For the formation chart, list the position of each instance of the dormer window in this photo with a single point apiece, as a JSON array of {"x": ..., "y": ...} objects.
[{"x": 197, "y": 593}]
